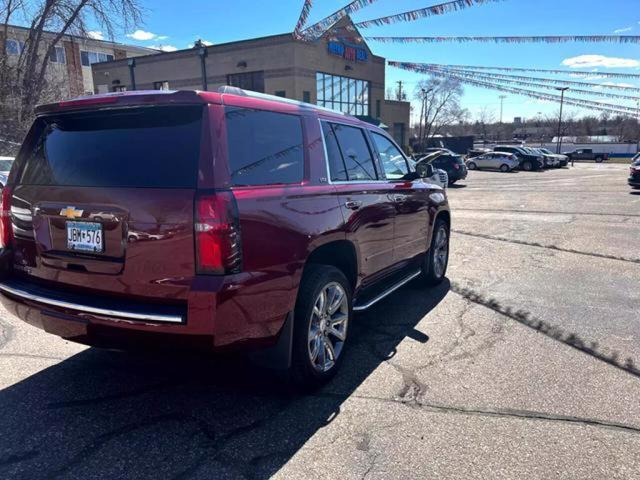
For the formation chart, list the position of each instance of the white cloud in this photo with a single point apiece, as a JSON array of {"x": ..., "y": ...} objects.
[
  {"x": 623, "y": 30},
  {"x": 95, "y": 35},
  {"x": 584, "y": 61},
  {"x": 164, "y": 48},
  {"x": 143, "y": 36}
]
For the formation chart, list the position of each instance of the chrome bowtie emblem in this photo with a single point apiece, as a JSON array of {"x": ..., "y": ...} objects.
[{"x": 71, "y": 212}]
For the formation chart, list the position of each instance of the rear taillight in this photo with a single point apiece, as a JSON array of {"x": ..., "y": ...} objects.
[
  {"x": 6, "y": 228},
  {"x": 456, "y": 166},
  {"x": 217, "y": 232}
]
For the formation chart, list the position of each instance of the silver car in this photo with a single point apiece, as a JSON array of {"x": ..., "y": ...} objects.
[{"x": 505, "y": 162}]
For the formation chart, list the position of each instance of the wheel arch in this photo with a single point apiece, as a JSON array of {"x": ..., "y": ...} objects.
[{"x": 341, "y": 254}]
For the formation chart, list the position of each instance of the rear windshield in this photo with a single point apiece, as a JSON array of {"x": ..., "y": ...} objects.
[{"x": 138, "y": 147}]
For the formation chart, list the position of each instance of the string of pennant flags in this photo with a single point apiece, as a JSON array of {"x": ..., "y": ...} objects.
[
  {"x": 583, "y": 103},
  {"x": 530, "y": 83},
  {"x": 632, "y": 39},
  {"x": 317, "y": 29},
  {"x": 304, "y": 16},
  {"x": 573, "y": 73},
  {"x": 412, "y": 15},
  {"x": 551, "y": 81}
]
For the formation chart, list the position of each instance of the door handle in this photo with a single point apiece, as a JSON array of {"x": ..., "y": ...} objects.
[{"x": 353, "y": 204}]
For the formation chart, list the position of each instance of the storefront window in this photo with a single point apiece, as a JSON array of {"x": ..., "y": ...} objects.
[{"x": 347, "y": 95}]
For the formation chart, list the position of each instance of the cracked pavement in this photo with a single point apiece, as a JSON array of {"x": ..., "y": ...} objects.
[{"x": 526, "y": 363}]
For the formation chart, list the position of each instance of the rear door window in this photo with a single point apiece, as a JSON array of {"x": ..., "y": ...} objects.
[
  {"x": 137, "y": 147},
  {"x": 355, "y": 153},
  {"x": 264, "y": 148}
]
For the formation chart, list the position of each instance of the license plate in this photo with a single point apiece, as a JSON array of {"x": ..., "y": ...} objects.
[{"x": 85, "y": 237}]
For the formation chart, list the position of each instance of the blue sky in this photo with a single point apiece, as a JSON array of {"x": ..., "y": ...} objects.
[{"x": 177, "y": 24}]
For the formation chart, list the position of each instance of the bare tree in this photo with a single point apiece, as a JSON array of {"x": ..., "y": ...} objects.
[
  {"x": 442, "y": 105},
  {"x": 486, "y": 117},
  {"x": 24, "y": 81}
]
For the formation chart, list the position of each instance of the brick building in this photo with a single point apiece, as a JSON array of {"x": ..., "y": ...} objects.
[{"x": 338, "y": 71}]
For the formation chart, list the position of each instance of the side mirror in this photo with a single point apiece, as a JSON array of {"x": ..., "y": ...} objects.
[{"x": 425, "y": 170}]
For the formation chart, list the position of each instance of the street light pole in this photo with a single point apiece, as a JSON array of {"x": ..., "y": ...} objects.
[
  {"x": 424, "y": 97},
  {"x": 426, "y": 117},
  {"x": 559, "y": 148}
]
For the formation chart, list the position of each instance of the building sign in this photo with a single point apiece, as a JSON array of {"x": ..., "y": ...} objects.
[{"x": 352, "y": 54}]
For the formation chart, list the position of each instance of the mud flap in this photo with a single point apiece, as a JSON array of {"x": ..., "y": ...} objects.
[{"x": 277, "y": 357}]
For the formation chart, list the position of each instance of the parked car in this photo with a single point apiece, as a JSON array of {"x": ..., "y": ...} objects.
[
  {"x": 453, "y": 164},
  {"x": 527, "y": 160},
  {"x": 563, "y": 159},
  {"x": 476, "y": 152},
  {"x": 505, "y": 162},
  {"x": 5, "y": 164},
  {"x": 587, "y": 154},
  {"x": 424, "y": 168},
  {"x": 550, "y": 161},
  {"x": 282, "y": 220},
  {"x": 634, "y": 172}
]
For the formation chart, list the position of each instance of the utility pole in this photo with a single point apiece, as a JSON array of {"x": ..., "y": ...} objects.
[
  {"x": 424, "y": 99},
  {"x": 501, "y": 97},
  {"x": 399, "y": 90},
  {"x": 559, "y": 148},
  {"x": 426, "y": 111}
]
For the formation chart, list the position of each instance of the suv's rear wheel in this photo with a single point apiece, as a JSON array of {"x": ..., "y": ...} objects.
[
  {"x": 322, "y": 315},
  {"x": 527, "y": 166},
  {"x": 504, "y": 167},
  {"x": 434, "y": 267}
]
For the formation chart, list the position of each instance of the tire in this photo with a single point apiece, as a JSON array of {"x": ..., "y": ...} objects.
[
  {"x": 472, "y": 166},
  {"x": 527, "y": 166},
  {"x": 434, "y": 270},
  {"x": 451, "y": 182},
  {"x": 309, "y": 371},
  {"x": 504, "y": 167},
  {"x": 599, "y": 159}
]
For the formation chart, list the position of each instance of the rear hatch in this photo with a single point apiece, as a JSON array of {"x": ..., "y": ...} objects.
[{"x": 103, "y": 200}]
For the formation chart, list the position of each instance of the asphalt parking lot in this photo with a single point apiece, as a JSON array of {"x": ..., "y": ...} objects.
[{"x": 525, "y": 364}]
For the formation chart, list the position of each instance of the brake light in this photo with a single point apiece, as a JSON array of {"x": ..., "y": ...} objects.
[
  {"x": 456, "y": 166},
  {"x": 6, "y": 228},
  {"x": 83, "y": 101},
  {"x": 217, "y": 234}
]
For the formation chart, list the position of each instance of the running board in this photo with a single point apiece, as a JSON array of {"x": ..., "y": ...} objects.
[{"x": 389, "y": 291}]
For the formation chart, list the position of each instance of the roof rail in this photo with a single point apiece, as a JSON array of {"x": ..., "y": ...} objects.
[{"x": 249, "y": 93}]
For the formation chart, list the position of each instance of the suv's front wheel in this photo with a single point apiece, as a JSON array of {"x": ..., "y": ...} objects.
[
  {"x": 322, "y": 315},
  {"x": 434, "y": 267}
]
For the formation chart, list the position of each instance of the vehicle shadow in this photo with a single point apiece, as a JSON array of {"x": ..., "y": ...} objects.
[{"x": 115, "y": 415}]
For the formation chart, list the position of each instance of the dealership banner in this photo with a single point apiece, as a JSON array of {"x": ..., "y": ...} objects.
[
  {"x": 515, "y": 39},
  {"x": 413, "y": 15},
  {"x": 578, "y": 102}
]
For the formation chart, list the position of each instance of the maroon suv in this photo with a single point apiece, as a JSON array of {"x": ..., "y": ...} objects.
[{"x": 213, "y": 219}]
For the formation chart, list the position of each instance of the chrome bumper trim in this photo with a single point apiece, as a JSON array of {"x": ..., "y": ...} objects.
[
  {"x": 389, "y": 291},
  {"x": 118, "y": 314}
]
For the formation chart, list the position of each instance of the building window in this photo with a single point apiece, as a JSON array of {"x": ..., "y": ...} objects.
[
  {"x": 347, "y": 95},
  {"x": 253, "y": 81},
  {"x": 378, "y": 113},
  {"x": 281, "y": 93},
  {"x": 57, "y": 55},
  {"x": 164, "y": 85},
  {"x": 14, "y": 47},
  {"x": 89, "y": 58},
  {"x": 306, "y": 96},
  {"x": 120, "y": 88}
]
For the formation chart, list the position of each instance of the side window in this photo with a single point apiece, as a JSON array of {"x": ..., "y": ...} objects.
[
  {"x": 393, "y": 162},
  {"x": 264, "y": 148},
  {"x": 337, "y": 170},
  {"x": 357, "y": 158}
]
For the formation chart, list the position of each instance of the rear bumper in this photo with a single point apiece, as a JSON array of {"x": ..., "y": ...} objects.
[{"x": 212, "y": 318}]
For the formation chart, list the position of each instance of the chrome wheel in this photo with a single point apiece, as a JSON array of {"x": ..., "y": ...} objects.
[
  {"x": 440, "y": 252},
  {"x": 328, "y": 326}
]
